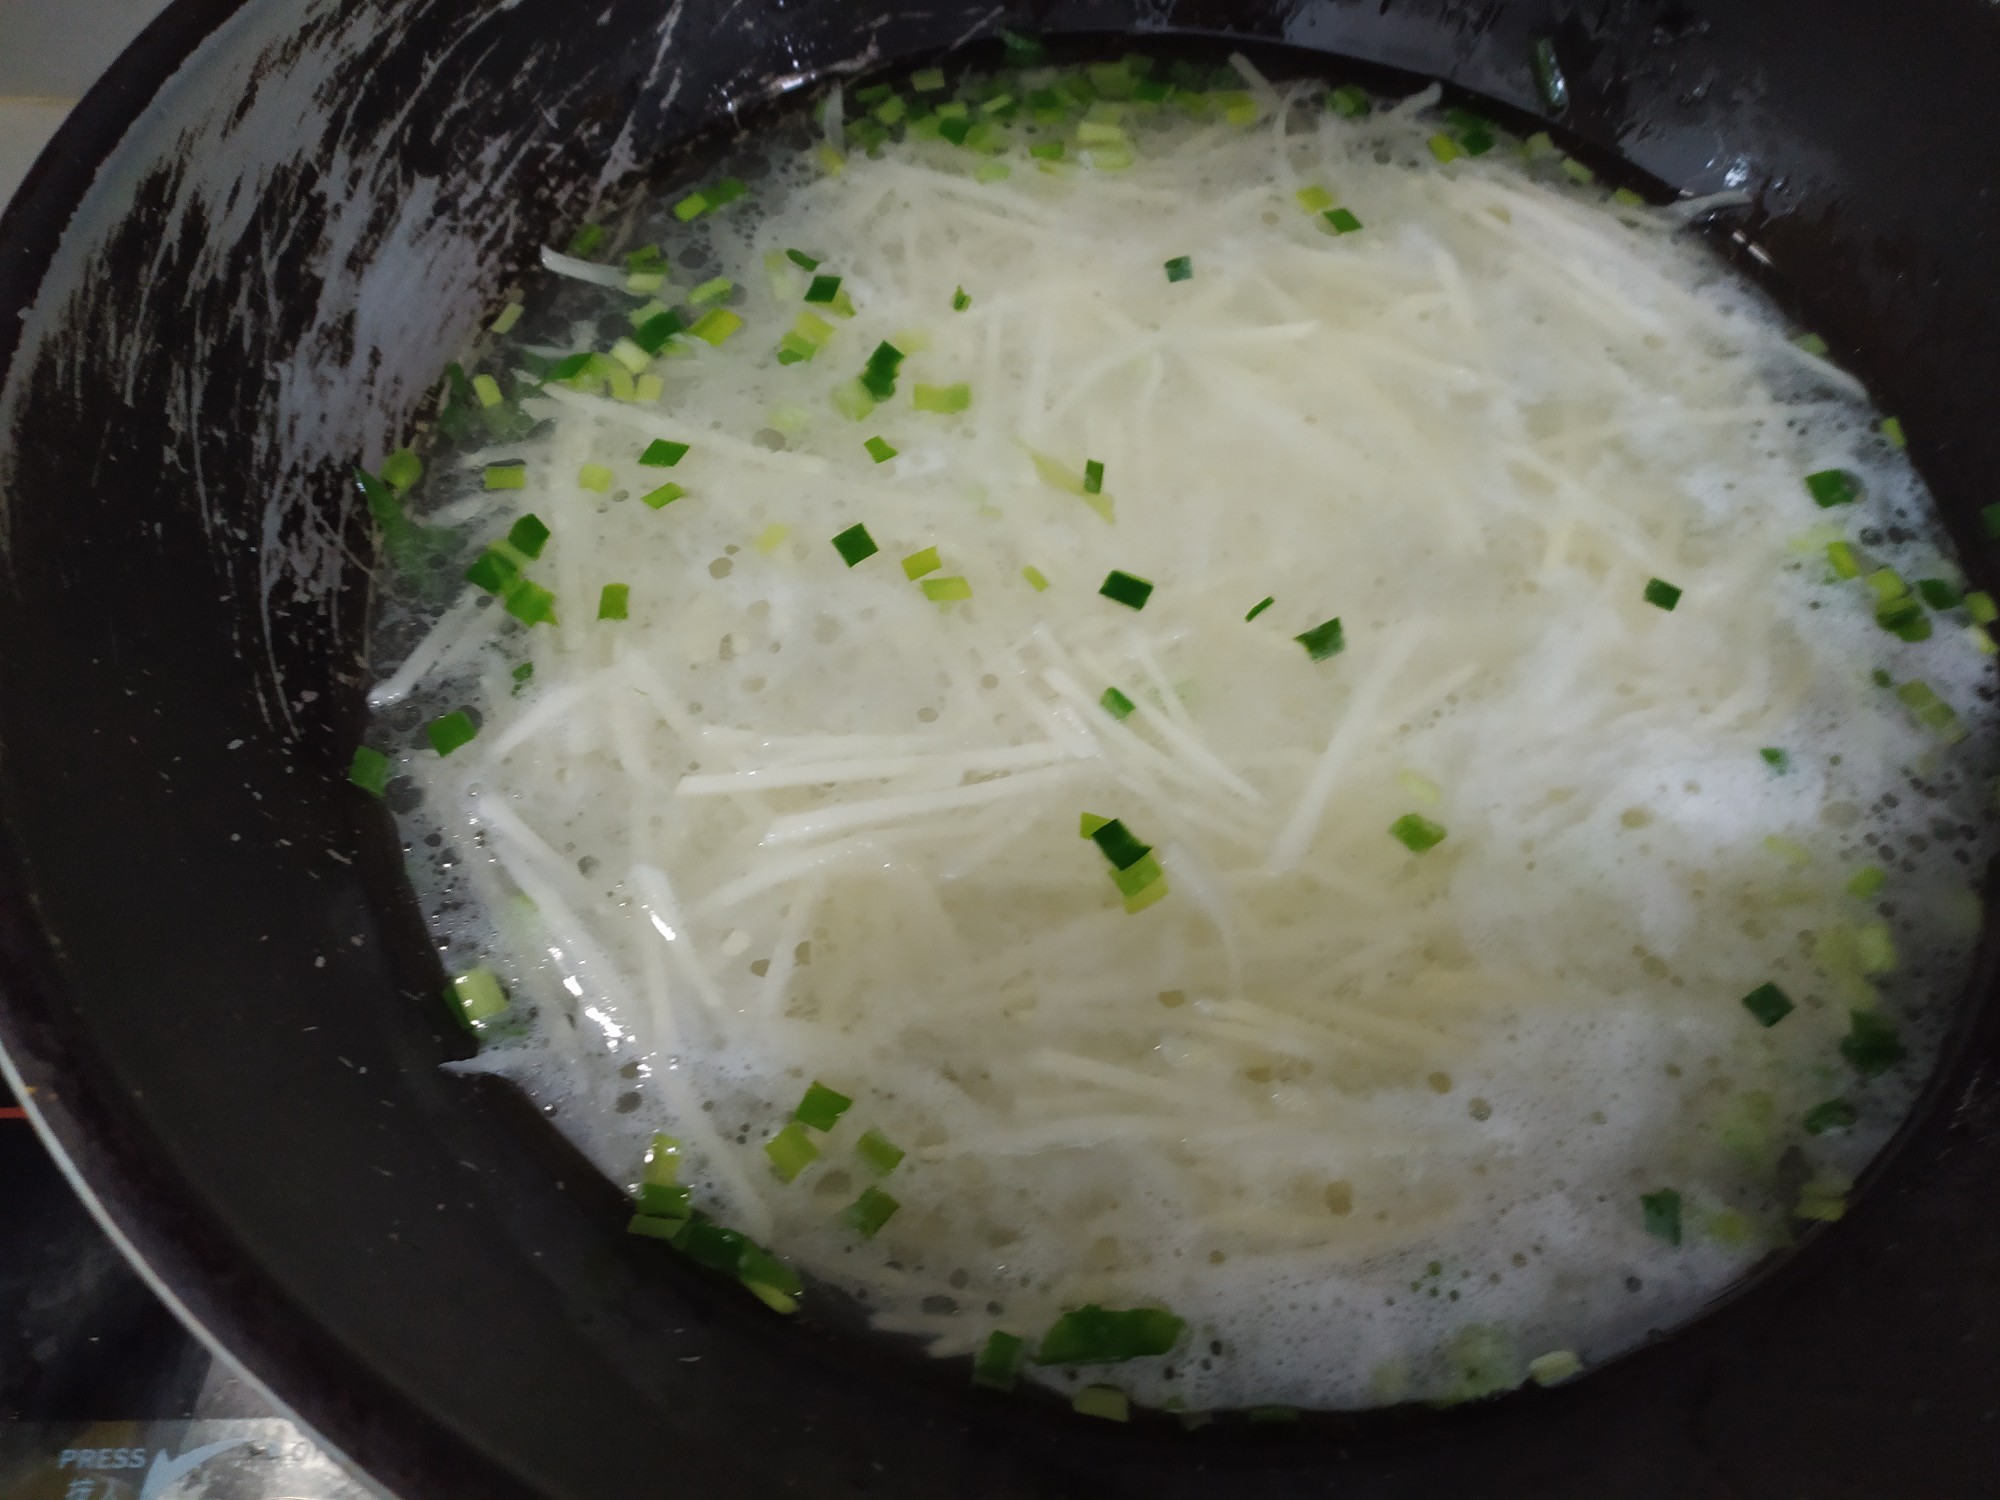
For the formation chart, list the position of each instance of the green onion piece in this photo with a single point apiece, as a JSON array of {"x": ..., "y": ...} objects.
[
  {"x": 1812, "y": 344},
  {"x": 879, "y": 377},
  {"x": 528, "y": 536},
  {"x": 1874, "y": 948},
  {"x": 1940, "y": 593},
  {"x": 1324, "y": 640},
  {"x": 1931, "y": 711},
  {"x": 1314, "y": 199},
  {"x": 664, "y": 496},
  {"x": 771, "y": 538},
  {"x": 594, "y": 477},
  {"x": 1888, "y": 585},
  {"x": 614, "y": 601},
  {"x": 506, "y": 476},
  {"x": 954, "y": 128},
  {"x": 881, "y": 1153},
  {"x": 823, "y": 289},
  {"x": 1554, "y": 1367},
  {"x": 1831, "y": 487},
  {"x": 792, "y": 349},
  {"x": 1871, "y": 1045},
  {"x": 727, "y": 190},
  {"x": 1891, "y": 429},
  {"x": 1148, "y": 895},
  {"x": 655, "y": 1228},
  {"x": 1768, "y": 1004},
  {"x": 995, "y": 1365},
  {"x": 1350, "y": 101},
  {"x": 1123, "y": 588},
  {"x": 511, "y": 314},
  {"x": 1093, "y": 477},
  {"x": 574, "y": 370},
  {"x": 1093, "y": 1335},
  {"x": 693, "y": 206},
  {"x": 369, "y": 770},
  {"x": 479, "y": 995},
  {"x": 1046, "y": 151},
  {"x": 891, "y": 110},
  {"x": 853, "y": 400},
  {"x": 1663, "y": 1214},
  {"x": 946, "y": 590},
  {"x": 1444, "y": 148},
  {"x": 1417, "y": 833},
  {"x": 1035, "y": 579},
  {"x": 1180, "y": 268},
  {"x": 960, "y": 301},
  {"x": 528, "y": 602},
  {"x": 402, "y": 469},
  {"x": 1550, "y": 84},
  {"x": 1116, "y": 704},
  {"x": 879, "y": 450},
  {"x": 855, "y": 545},
  {"x": 1981, "y": 608},
  {"x": 1136, "y": 877},
  {"x": 1823, "y": 1198},
  {"x": 662, "y": 1163},
  {"x": 822, "y": 1107},
  {"x": 1099, "y": 133},
  {"x": 586, "y": 239},
  {"x": 924, "y": 81},
  {"x": 494, "y": 570},
  {"x": 1087, "y": 824},
  {"x": 1661, "y": 594},
  {"x": 664, "y": 1200},
  {"x": 1259, "y": 607},
  {"x": 1904, "y": 618},
  {"x": 449, "y": 731},
  {"x": 1840, "y": 557},
  {"x": 715, "y": 325},
  {"x": 1117, "y": 843},
  {"x": 661, "y": 454},
  {"x": 1626, "y": 198},
  {"x": 1832, "y": 1114},
  {"x": 645, "y": 283},
  {"x": 1479, "y": 140},
  {"x": 630, "y": 356},
  {"x": 1342, "y": 221},
  {"x": 1105, "y": 1401},
  {"x": 919, "y": 563},
  {"x": 712, "y": 289},
  {"x": 1867, "y": 882},
  {"x": 1239, "y": 107},
  {"x": 941, "y": 398},
  {"x": 487, "y": 389},
  {"x": 654, "y": 334},
  {"x": 791, "y": 1151},
  {"x": 1577, "y": 172},
  {"x": 867, "y": 1214},
  {"x": 522, "y": 674},
  {"x": 1778, "y": 760}
]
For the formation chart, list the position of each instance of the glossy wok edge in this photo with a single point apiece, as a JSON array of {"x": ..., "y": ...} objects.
[{"x": 170, "y": 1208}]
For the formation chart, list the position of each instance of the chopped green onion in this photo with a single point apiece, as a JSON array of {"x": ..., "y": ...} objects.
[
  {"x": 771, "y": 538},
  {"x": 594, "y": 477},
  {"x": 662, "y": 1163},
  {"x": 1768, "y": 1004},
  {"x": 506, "y": 476},
  {"x": 881, "y": 1153},
  {"x": 449, "y": 731},
  {"x": 1123, "y": 588},
  {"x": 891, "y": 110},
  {"x": 1105, "y": 1401},
  {"x": 1871, "y": 1045},
  {"x": 1093, "y": 477},
  {"x": 1888, "y": 585},
  {"x": 664, "y": 1200},
  {"x": 1088, "y": 823},
  {"x": 1115, "y": 840},
  {"x": 823, "y": 289},
  {"x": 1661, "y": 594},
  {"x": 1840, "y": 557},
  {"x": 960, "y": 301},
  {"x": 995, "y": 1365},
  {"x": 879, "y": 450},
  {"x": 631, "y": 356},
  {"x": 1778, "y": 760},
  {"x": 528, "y": 536},
  {"x": 1046, "y": 151},
  {"x": 586, "y": 239},
  {"x": 653, "y": 334},
  {"x": 1259, "y": 607},
  {"x": 693, "y": 206},
  {"x": 1342, "y": 221},
  {"x": 954, "y": 128},
  {"x": 402, "y": 469},
  {"x": 1350, "y": 101},
  {"x": 1477, "y": 140},
  {"x": 878, "y": 379},
  {"x": 369, "y": 770},
  {"x": 821, "y": 1107},
  {"x": 1324, "y": 640},
  {"x": 487, "y": 389},
  {"x": 855, "y": 545},
  {"x": 946, "y": 590},
  {"x": 1939, "y": 593},
  {"x": 522, "y": 674},
  {"x": 529, "y": 602},
  {"x": 614, "y": 601},
  {"x": 727, "y": 190},
  {"x": 1417, "y": 833},
  {"x": 1093, "y": 1335},
  {"x": 1550, "y": 84},
  {"x": 1823, "y": 1199},
  {"x": 1904, "y": 618},
  {"x": 1577, "y": 172},
  {"x": 1554, "y": 1367},
  {"x": 1892, "y": 433},
  {"x": 511, "y": 314},
  {"x": 791, "y": 1151},
  {"x": 645, "y": 283},
  {"x": 1314, "y": 199},
  {"x": 1180, "y": 268},
  {"x": 1832, "y": 1114},
  {"x": 941, "y": 398},
  {"x": 1867, "y": 882},
  {"x": 479, "y": 995},
  {"x": 715, "y": 325},
  {"x": 1626, "y": 198},
  {"x": 1831, "y": 487},
  {"x": 1662, "y": 1212},
  {"x": 867, "y": 1214},
  {"x": 1444, "y": 148},
  {"x": 924, "y": 81},
  {"x": 1874, "y": 948},
  {"x": 664, "y": 496},
  {"x": 1139, "y": 875},
  {"x": 1812, "y": 344},
  {"x": 1035, "y": 579},
  {"x": 853, "y": 400},
  {"x": 712, "y": 289},
  {"x": 1931, "y": 711},
  {"x": 1981, "y": 608},
  {"x": 654, "y": 1227},
  {"x": 919, "y": 563},
  {"x": 1116, "y": 704}
]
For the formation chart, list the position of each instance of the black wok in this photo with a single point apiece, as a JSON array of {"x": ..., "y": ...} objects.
[{"x": 239, "y": 267}]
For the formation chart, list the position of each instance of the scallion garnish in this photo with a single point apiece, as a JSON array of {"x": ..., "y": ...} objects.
[
  {"x": 878, "y": 379},
  {"x": 1314, "y": 199},
  {"x": 941, "y": 398},
  {"x": 1866, "y": 883},
  {"x": 1812, "y": 344},
  {"x": 528, "y": 535},
  {"x": 1577, "y": 172},
  {"x": 1324, "y": 640},
  {"x": 478, "y": 995},
  {"x": 1259, "y": 607},
  {"x": 1940, "y": 593},
  {"x": 401, "y": 470},
  {"x": 654, "y": 334},
  {"x": 1350, "y": 101},
  {"x": 1417, "y": 833},
  {"x": 523, "y": 674},
  {"x": 1980, "y": 608},
  {"x": 1094, "y": 1335},
  {"x": 855, "y": 545},
  {"x": 1123, "y": 588},
  {"x": 881, "y": 1153},
  {"x": 662, "y": 1162},
  {"x": 927, "y": 81},
  {"x": 509, "y": 316},
  {"x": 1661, "y": 594},
  {"x": 823, "y": 289},
  {"x": 1872, "y": 1045},
  {"x": 594, "y": 477},
  {"x": 630, "y": 356},
  {"x": 879, "y": 450},
  {"x": 449, "y": 731},
  {"x": 1891, "y": 429},
  {"x": 1036, "y": 580},
  {"x": 1180, "y": 268},
  {"x": 1116, "y": 704},
  {"x": 528, "y": 602},
  {"x": 369, "y": 770},
  {"x": 1662, "y": 1214},
  {"x": 1831, "y": 487},
  {"x": 1840, "y": 557},
  {"x": 614, "y": 601},
  {"x": 586, "y": 239},
  {"x": 791, "y": 1151},
  {"x": 919, "y": 563},
  {"x": 822, "y": 1107},
  {"x": 1768, "y": 1004},
  {"x": 1931, "y": 711},
  {"x": 995, "y": 1365},
  {"x": 1105, "y": 1401},
  {"x": 715, "y": 325},
  {"x": 505, "y": 476},
  {"x": 1093, "y": 477},
  {"x": 1778, "y": 760},
  {"x": 947, "y": 590},
  {"x": 1831, "y": 1114},
  {"x": 664, "y": 496},
  {"x": 487, "y": 389},
  {"x": 1444, "y": 148},
  {"x": 960, "y": 301},
  {"x": 1342, "y": 221},
  {"x": 867, "y": 1214}
]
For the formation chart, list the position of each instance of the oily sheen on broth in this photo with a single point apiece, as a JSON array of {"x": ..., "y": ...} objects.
[{"x": 1428, "y": 1053}]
